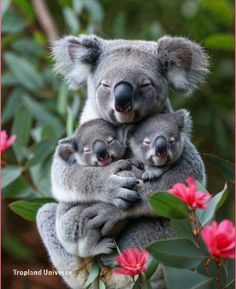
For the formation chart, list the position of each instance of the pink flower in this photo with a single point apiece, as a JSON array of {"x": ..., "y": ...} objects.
[
  {"x": 190, "y": 195},
  {"x": 5, "y": 141},
  {"x": 220, "y": 239},
  {"x": 132, "y": 262}
]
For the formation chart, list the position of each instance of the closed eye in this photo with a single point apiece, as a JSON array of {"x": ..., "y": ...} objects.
[
  {"x": 172, "y": 140},
  {"x": 110, "y": 140},
  {"x": 105, "y": 85},
  {"x": 145, "y": 84},
  {"x": 146, "y": 141},
  {"x": 87, "y": 150}
]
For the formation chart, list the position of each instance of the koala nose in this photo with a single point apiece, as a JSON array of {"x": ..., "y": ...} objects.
[
  {"x": 123, "y": 93},
  {"x": 100, "y": 150},
  {"x": 161, "y": 146}
]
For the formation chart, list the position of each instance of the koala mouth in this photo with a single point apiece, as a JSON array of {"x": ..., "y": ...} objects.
[
  {"x": 159, "y": 161},
  {"x": 125, "y": 117},
  {"x": 105, "y": 162}
]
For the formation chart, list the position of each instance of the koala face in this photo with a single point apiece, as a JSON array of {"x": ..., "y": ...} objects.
[
  {"x": 159, "y": 140},
  {"x": 129, "y": 80},
  {"x": 95, "y": 143},
  {"x": 129, "y": 86}
]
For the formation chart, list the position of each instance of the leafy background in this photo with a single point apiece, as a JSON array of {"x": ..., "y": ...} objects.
[{"x": 40, "y": 109}]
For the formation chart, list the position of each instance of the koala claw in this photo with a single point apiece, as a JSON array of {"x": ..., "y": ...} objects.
[
  {"x": 137, "y": 164},
  {"x": 105, "y": 246},
  {"x": 150, "y": 176}
]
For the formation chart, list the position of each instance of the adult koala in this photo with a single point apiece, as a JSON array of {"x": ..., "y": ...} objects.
[{"x": 127, "y": 81}]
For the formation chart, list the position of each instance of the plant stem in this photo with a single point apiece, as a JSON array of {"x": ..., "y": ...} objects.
[{"x": 207, "y": 267}]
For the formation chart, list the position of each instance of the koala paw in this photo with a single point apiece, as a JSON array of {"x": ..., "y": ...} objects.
[
  {"x": 139, "y": 165},
  {"x": 102, "y": 216},
  {"x": 105, "y": 246},
  {"x": 122, "y": 165},
  {"x": 151, "y": 175},
  {"x": 125, "y": 196}
]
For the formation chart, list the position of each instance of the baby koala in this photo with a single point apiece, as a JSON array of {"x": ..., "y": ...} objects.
[
  {"x": 159, "y": 140},
  {"x": 95, "y": 143}
]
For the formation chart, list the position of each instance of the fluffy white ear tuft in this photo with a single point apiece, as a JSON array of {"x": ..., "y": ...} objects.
[
  {"x": 75, "y": 56},
  {"x": 183, "y": 62},
  {"x": 184, "y": 121}
]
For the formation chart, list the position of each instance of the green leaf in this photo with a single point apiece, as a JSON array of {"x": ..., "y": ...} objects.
[
  {"x": 167, "y": 205},
  {"x": 16, "y": 248},
  {"x": 21, "y": 127},
  {"x": 40, "y": 152},
  {"x": 151, "y": 268},
  {"x": 179, "y": 278},
  {"x": 221, "y": 9},
  {"x": 62, "y": 99},
  {"x": 95, "y": 10},
  {"x": 71, "y": 19},
  {"x": 5, "y": 6},
  {"x": 14, "y": 101},
  {"x": 19, "y": 188},
  {"x": 200, "y": 187},
  {"x": 93, "y": 274},
  {"x": 69, "y": 122},
  {"x": 176, "y": 252},
  {"x": 42, "y": 115},
  {"x": 224, "y": 166},
  {"x": 205, "y": 216},
  {"x": 145, "y": 284},
  {"x": 10, "y": 174},
  {"x": 219, "y": 41},
  {"x": 13, "y": 22},
  {"x": 27, "y": 47},
  {"x": 23, "y": 71},
  {"x": 28, "y": 209},
  {"x": 183, "y": 228},
  {"x": 8, "y": 79},
  {"x": 101, "y": 285}
]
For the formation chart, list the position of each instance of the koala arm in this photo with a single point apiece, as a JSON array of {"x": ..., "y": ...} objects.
[
  {"x": 190, "y": 164},
  {"x": 75, "y": 183}
]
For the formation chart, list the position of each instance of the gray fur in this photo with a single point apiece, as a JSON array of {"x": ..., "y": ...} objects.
[
  {"x": 173, "y": 127},
  {"x": 175, "y": 60},
  {"x": 76, "y": 239},
  {"x": 73, "y": 177},
  {"x": 101, "y": 64}
]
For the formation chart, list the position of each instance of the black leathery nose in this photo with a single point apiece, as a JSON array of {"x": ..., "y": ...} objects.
[
  {"x": 101, "y": 150},
  {"x": 161, "y": 146},
  {"x": 123, "y": 93}
]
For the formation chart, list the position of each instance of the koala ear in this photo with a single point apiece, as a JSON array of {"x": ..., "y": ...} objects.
[
  {"x": 184, "y": 121},
  {"x": 66, "y": 149},
  {"x": 75, "y": 56},
  {"x": 125, "y": 132},
  {"x": 183, "y": 62}
]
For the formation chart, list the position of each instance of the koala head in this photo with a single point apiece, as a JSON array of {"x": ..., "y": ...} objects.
[
  {"x": 159, "y": 140},
  {"x": 129, "y": 80},
  {"x": 95, "y": 143}
]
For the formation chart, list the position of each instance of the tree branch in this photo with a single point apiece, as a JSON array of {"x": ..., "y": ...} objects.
[{"x": 45, "y": 19}]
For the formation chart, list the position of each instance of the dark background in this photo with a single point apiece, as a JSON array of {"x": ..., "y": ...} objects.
[{"x": 39, "y": 108}]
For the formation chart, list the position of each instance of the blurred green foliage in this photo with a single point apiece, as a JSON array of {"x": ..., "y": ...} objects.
[{"x": 40, "y": 109}]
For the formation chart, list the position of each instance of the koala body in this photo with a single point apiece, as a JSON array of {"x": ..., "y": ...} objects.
[
  {"x": 158, "y": 141},
  {"x": 95, "y": 143},
  {"x": 82, "y": 166},
  {"x": 127, "y": 81}
]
